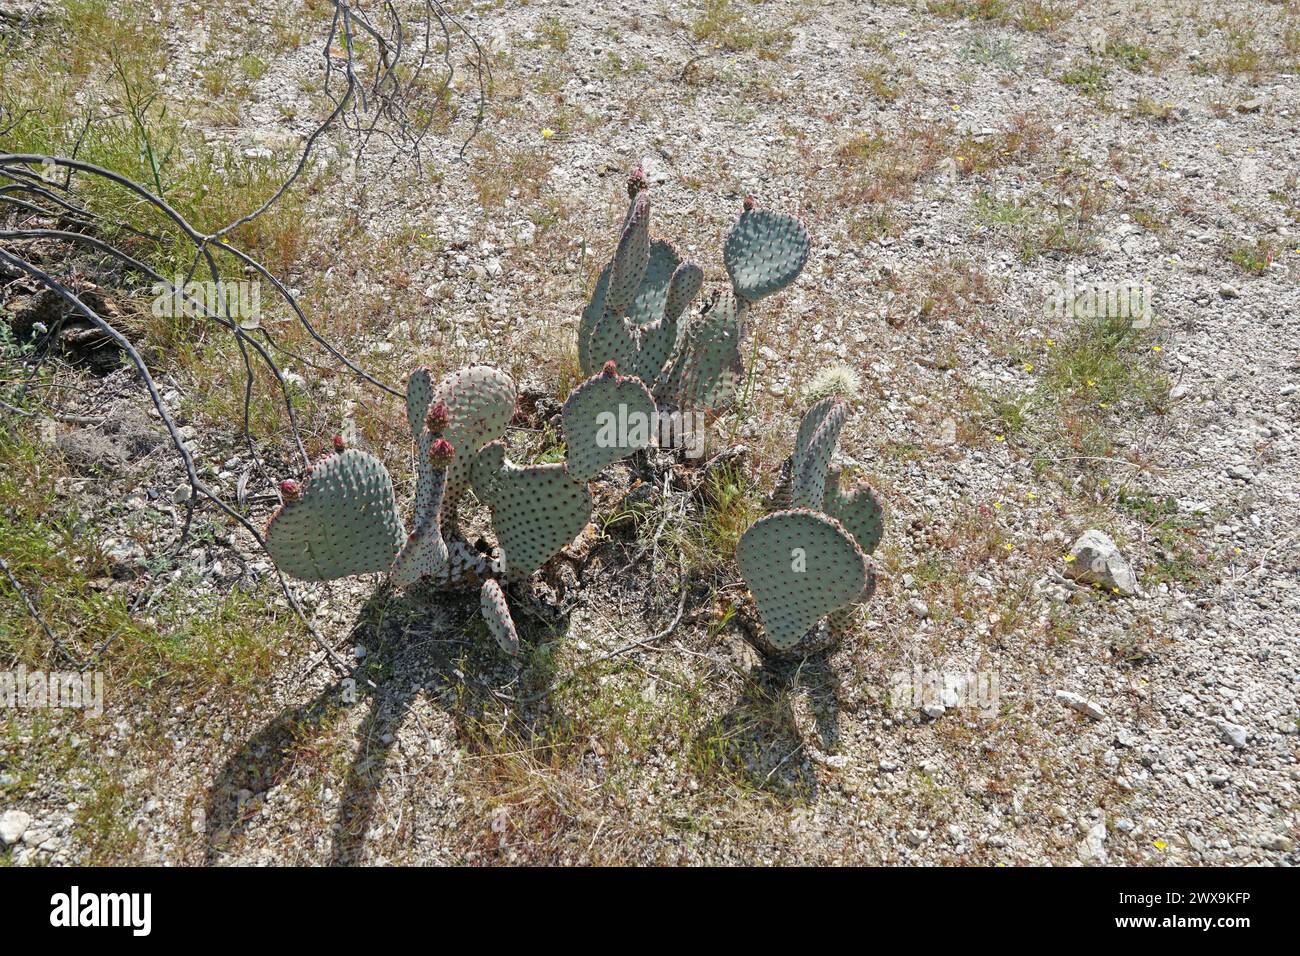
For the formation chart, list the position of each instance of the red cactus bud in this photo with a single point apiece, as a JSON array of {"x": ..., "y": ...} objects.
[
  {"x": 441, "y": 453},
  {"x": 750, "y": 203},
  {"x": 636, "y": 182},
  {"x": 610, "y": 370},
  {"x": 290, "y": 490},
  {"x": 437, "y": 418},
  {"x": 338, "y": 443}
]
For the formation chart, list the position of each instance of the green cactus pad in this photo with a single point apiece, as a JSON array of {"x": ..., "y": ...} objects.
[
  {"x": 631, "y": 259},
  {"x": 765, "y": 251},
  {"x": 808, "y": 425},
  {"x": 857, "y": 509},
  {"x": 607, "y": 335},
  {"x": 345, "y": 520},
  {"x": 496, "y": 612},
  {"x": 800, "y": 566},
  {"x": 685, "y": 285},
  {"x": 704, "y": 373},
  {"x": 606, "y": 418},
  {"x": 613, "y": 340},
  {"x": 419, "y": 396},
  {"x": 652, "y": 293},
  {"x": 480, "y": 404},
  {"x": 591, "y": 316},
  {"x": 536, "y": 510},
  {"x": 424, "y": 555},
  {"x": 808, "y": 480}
]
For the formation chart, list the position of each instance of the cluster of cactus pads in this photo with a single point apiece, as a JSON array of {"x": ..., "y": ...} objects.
[
  {"x": 637, "y": 313},
  {"x": 343, "y": 518},
  {"x": 807, "y": 563}
]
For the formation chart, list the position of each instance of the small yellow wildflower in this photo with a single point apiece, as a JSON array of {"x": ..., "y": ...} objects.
[
  {"x": 1160, "y": 844},
  {"x": 547, "y": 132}
]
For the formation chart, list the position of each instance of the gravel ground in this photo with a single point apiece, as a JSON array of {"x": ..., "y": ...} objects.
[{"x": 952, "y": 171}]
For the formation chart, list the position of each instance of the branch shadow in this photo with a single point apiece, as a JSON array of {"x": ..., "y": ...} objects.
[{"x": 419, "y": 642}]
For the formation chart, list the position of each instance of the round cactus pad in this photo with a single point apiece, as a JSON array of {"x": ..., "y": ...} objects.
[
  {"x": 800, "y": 566},
  {"x": 606, "y": 418},
  {"x": 536, "y": 510},
  {"x": 858, "y": 510},
  {"x": 480, "y": 404},
  {"x": 765, "y": 251},
  {"x": 345, "y": 521}
]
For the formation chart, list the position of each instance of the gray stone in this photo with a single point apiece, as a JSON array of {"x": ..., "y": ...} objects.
[
  {"x": 1234, "y": 734},
  {"x": 1094, "y": 559},
  {"x": 1081, "y": 704},
  {"x": 13, "y": 824}
]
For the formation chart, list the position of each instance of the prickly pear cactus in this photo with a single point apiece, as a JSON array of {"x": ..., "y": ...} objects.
[
  {"x": 419, "y": 396},
  {"x": 342, "y": 520},
  {"x": 765, "y": 251},
  {"x": 808, "y": 479},
  {"x": 425, "y": 554},
  {"x": 492, "y": 602},
  {"x": 683, "y": 287},
  {"x": 800, "y": 566},
  {"x": 536, "y": 510},
  {"x": 648, "y": 308},
  {"x": 857, "y": 509},
  {"x": 707, "y": 369},
  {"x": 606, "y": 418},
  {"x": 480, "y": 403},
  {"x": 636, "y": 314},
  {"x": 631, "y": 259}
]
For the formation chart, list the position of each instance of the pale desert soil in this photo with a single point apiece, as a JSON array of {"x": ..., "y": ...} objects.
[{"x": 694, "y": 751}]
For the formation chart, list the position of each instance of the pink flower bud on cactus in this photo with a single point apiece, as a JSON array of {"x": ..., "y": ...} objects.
[
  {"x": 636, "y": 182},
  {"x": 610, "y": 370},
  {"x": 438, "y": 417},
  {"x": 338, "y": 443},
  {"x": 441, "y": 453},
  {"x": 290, "y": 490},
  {"x": 749, "y": 203}
]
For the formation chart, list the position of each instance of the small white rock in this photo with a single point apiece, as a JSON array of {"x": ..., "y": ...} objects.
[
  {"x": 13, "y": 824},
  {"x": 1094, "y": 559},
  {"x": 1081, "y": 704}
]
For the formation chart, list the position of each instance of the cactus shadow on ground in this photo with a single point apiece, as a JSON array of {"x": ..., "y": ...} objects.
[
  {"x": 418, "y": 643},
  {"x": 785, "y": 711}
]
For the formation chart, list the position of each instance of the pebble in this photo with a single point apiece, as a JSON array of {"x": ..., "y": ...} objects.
[
  {"x": 13, "y": 824},
  {"x": 1094, "y": 559},
  {"x": 1234, "y": 734},
  {"x": 1081, "y": 704}
]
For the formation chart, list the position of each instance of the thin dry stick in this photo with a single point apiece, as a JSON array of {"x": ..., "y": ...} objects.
[
  {"x": 55, "y": 643},
  {"x": 198, "y": 488}
]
